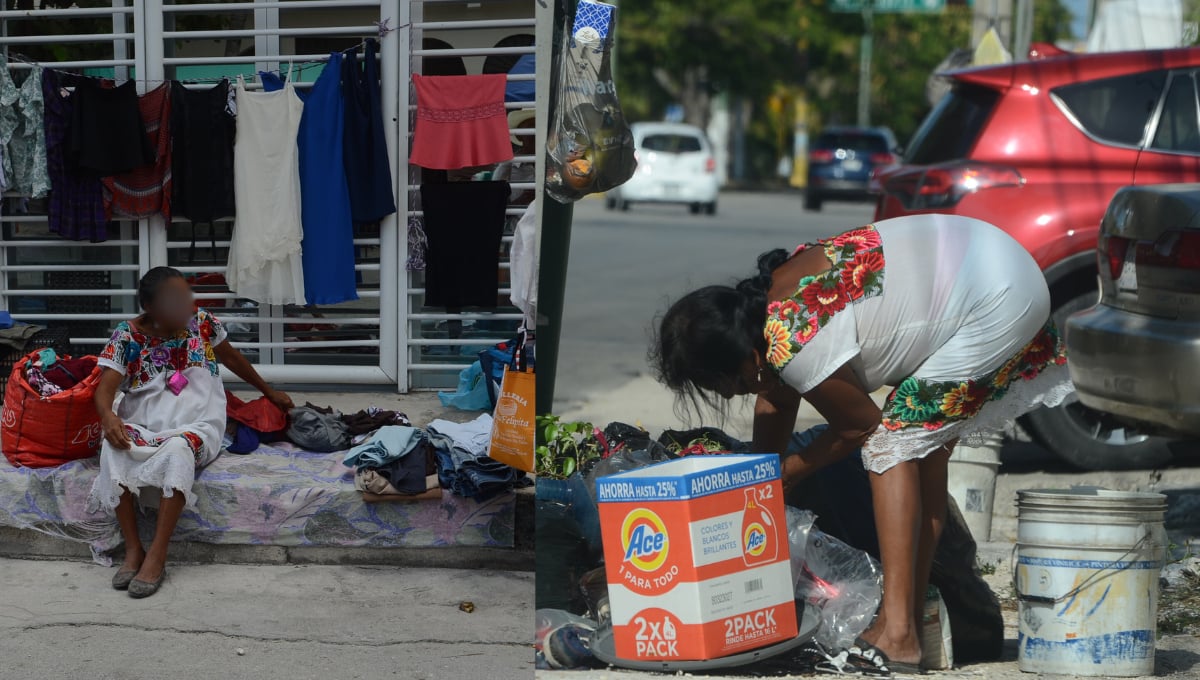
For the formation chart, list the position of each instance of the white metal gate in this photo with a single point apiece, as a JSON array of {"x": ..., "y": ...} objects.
[
  {"x": 468, "y": 38},
  {"x": 383, "y": 338}
]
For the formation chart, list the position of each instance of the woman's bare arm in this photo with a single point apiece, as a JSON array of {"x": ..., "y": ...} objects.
[
  {"x": 775, "y": 418},
  {"x": 852, "y": 416},
  {"x": 237, "y": 362},
  {"x": 106, "y": 394}
]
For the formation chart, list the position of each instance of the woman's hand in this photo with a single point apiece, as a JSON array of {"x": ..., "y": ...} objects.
[
  {"x": 280, "y": 399},
  {"x": 114, "y": 432}
]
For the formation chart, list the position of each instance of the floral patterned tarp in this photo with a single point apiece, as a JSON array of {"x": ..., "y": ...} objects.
[{"x": 276, "y": 496}]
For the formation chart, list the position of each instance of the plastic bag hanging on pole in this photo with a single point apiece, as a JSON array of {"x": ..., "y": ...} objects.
[{"x": 589, "y": 147}]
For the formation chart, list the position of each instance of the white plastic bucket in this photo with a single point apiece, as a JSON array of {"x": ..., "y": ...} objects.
[
  {"x": 1088, "y": 562},
  {"x": 971, "y": 480}
]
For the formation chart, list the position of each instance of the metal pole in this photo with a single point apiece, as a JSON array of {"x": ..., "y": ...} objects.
[
  {"x": 1022, "y": 30},
  {"x": 554, "y": 248},
  {"x": 864, "y": 68}
]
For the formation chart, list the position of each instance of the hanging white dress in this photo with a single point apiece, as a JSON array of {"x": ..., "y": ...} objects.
[{"x": 264, "y": 254}]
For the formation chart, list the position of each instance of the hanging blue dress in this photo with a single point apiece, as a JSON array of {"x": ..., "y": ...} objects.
[
  {"x": 328, "y": 246},
  {"x": 366, "y": 149}
]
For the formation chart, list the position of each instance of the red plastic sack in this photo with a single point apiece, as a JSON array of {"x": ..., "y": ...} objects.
[{"x": 38, "y": 431}]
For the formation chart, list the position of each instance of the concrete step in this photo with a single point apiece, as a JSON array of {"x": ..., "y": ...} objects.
[{"x": 30, "y": 544}]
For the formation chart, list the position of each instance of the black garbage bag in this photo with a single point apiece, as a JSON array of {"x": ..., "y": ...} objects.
[
  {"x": 562, "y": 558},
  {"x": 713, "y": 439},
  {"x": 621, "y": 436}
]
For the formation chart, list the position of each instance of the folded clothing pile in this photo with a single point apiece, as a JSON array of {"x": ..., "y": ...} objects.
[
  {"x": 463, "y": 465},
  {"x": 395, "y": 461},
  {"x": 312, "y": 428}
]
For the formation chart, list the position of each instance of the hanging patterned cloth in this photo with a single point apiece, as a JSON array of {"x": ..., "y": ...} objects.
[
  {"x": 146, "y": 190},
  {"x": 76, "y": 206}
]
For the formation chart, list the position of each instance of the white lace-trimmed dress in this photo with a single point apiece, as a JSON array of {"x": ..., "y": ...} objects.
[
  {"x": 173, "y": 434},
  {"x": 949, "y": 310}
]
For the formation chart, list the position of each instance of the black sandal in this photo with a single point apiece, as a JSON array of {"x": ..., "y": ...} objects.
[
  {"x": 876, "y": 656},
  {"x": 817, "y": 657}
]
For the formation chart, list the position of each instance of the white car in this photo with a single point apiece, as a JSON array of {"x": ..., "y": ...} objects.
[{"x": 675, "y": 165}]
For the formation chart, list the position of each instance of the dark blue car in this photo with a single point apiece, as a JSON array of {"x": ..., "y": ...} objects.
[{"x": 841, "y": 161}]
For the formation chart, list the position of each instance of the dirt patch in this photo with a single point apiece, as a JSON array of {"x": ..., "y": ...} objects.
[{"x": 1179, "y": 603}]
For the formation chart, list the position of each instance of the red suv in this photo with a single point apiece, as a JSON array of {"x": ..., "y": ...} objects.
[{"x": 1039, "y": 148}]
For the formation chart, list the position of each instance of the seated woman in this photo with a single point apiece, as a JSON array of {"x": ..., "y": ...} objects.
[
  {"x": 170, "y": 420},
  {"x": 950, "y": 311}
]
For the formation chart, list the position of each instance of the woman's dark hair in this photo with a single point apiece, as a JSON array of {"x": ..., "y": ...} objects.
[
  {"x": 153, "y": 281},
  {"x": 705, "y": 339}
]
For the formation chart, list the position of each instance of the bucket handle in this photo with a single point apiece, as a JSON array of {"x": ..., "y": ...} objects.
[{"x": 1045, "y": 599}]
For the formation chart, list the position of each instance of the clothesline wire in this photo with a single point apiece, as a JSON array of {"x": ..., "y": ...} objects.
[{"x": 384, "y": 29}]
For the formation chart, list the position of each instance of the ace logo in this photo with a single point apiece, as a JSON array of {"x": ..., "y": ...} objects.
[
  {"x": 644, "y": 538},
  {"x": 657, "y": 634}
]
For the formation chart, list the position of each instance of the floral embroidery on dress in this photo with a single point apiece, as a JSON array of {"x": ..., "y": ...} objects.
[
  {"x": 856, "y": 272},
  {"x": 145, "y": 357},
  {"x": 193, "y": 441},
  {"x": 931, "y": 405}
]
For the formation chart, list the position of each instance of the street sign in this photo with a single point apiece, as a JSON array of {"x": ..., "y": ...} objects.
[{"x": 888, "y": 6}]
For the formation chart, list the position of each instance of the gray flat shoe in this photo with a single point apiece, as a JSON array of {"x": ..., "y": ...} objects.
[
  {"x": 121, "y": 579},
  {"x": 139, "y": 589}
]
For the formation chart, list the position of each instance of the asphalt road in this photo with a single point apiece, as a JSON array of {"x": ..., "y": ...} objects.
[{"x": 626, "y": 267}]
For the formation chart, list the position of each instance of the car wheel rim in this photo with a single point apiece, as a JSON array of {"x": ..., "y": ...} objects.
[{"x": 1102, "y": 427}]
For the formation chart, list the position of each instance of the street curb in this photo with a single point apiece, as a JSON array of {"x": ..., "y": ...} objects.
[{"x": 34, "y": 545}]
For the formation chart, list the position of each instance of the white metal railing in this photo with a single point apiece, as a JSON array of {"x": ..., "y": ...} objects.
[
  {"x": 472, "y": 35},
  {"x": 388, "y": 336}
]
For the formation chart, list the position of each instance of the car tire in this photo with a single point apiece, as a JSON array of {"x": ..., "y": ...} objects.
[
  {"x": 694, "y": 208},
  {"x": 1086, "y": 438},
  {"x": 710, "y": 208},
  {"x": 610, "y": 203},
  {"x": 623, "y": 205},
  {"x": 812, "y": 202}
]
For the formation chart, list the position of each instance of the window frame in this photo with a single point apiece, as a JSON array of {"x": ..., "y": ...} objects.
[
  {"x": 1151, "y": 121},
  {"x": 1156, "y": 119}
]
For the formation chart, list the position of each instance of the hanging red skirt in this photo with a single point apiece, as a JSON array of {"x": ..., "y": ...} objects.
[{"x": 461, "y": 122}]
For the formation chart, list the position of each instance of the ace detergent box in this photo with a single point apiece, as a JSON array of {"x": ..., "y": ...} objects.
[{"x": 697, "y": 559}]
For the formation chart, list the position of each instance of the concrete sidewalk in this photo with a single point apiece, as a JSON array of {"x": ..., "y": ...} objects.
[{"x": 63, "y": 620}]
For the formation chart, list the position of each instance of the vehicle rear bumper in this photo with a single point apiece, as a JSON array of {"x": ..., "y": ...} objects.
[
  {"x": 642, "y": 188},
  {"x": 839, "y": 187},
  {"x": 1137, "y": 367}
]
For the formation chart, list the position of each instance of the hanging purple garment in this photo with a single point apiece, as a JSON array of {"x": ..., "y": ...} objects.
[{"x": 76, "y": 202}]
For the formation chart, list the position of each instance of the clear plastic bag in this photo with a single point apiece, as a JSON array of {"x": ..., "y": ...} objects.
[
  {"x": 843, "y": 582},
  {"x": 589, "y": 148}
]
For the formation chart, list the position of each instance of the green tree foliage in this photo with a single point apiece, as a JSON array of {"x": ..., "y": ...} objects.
[
  {"x": 684, "y": 52},
  {"x": 1051, "y": 21}
]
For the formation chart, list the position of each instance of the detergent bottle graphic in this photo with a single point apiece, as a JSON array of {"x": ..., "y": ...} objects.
[{"x": 759, "y": 545}]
